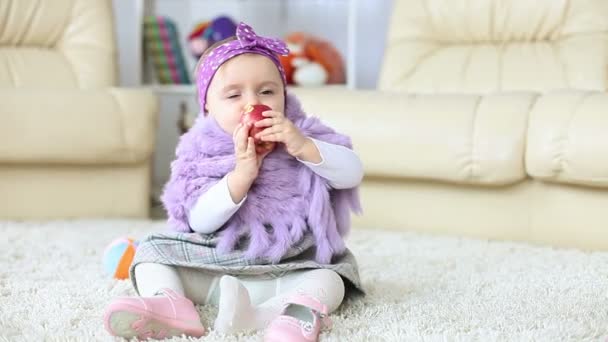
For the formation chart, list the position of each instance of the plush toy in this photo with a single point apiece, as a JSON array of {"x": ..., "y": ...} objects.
[
  {"x": 308, "y": 73},
  {"x": 295, "y": 51},
  {"x": 307, "y": 55},
  {"x": 207, "y": 33},
  {"x": 162, "y": 45},
  {"x": 117, "y": 257},
  {"x": 299, "y": 69},
  {"x": 196, "y": 42}
]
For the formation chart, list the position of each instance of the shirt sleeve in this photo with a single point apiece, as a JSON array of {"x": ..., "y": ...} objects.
[
  {"x": 213, "y": 208},
  {"x": 339, "y": 165}
]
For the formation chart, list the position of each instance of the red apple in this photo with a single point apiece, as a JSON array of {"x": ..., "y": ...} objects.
[{"x": 252, "y": 114}]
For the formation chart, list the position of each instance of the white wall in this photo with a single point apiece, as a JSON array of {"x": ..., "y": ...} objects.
[
  {"x": 372, "y": 24},
  {"x": 126, "y": 15}
]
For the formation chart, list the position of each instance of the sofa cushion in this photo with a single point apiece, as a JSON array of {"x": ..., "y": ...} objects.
[
  {"x": 452, "y": 138},
  {"x": 568, "y": 138},
  {"x": 76, "y": 126}
]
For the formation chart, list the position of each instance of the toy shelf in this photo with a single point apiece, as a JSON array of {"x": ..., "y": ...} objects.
[{"x": 332, "y": 20}]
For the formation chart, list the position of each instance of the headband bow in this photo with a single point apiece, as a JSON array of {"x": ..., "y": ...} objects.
[{"x": 249, "y": 39}]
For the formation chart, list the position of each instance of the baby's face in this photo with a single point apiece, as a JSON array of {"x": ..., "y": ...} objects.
[{"x": 245, "y": 79}]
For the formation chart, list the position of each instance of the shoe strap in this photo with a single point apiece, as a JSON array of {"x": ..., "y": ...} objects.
[
  {"x": 309, "y": 302},
  {"x": 169, "y": 293},
  {"x": 318, "y": 308},
  {"x": 326, "y": 322},
  {"x": 171, "y": 296}
]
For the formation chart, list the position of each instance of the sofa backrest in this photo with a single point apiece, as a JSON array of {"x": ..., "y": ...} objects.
[
  {"x": 482, "y": 46},
  {"x": 57, "y": 43}
]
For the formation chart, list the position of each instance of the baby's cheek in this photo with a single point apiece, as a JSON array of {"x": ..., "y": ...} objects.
[
  {"x": 233, "y": 127},
  {"x": 227, "y": 123},
  {"x": 280, "y": 104},
  {"x": 235, "y": 120},
  {"x": 276, "y": 106}
]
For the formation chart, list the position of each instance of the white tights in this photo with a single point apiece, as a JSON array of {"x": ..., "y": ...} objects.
[{"x": 245, "y": 303}]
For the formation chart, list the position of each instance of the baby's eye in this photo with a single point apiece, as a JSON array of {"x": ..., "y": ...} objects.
[
  {"x": 267, "y": 92},
  {"x": 233, "y": 96}
]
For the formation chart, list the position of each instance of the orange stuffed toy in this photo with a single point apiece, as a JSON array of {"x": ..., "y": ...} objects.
[
  {"x": 287, "y": 63},
  {"x": 315, "y": 51}
]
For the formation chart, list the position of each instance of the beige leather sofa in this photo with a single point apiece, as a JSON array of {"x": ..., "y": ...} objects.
[
  {"x": 491, "y": 120},
  {"x": 71, "y": 143}
]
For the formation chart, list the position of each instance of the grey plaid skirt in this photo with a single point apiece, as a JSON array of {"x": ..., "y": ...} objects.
[{"x": 198, "y": 251}]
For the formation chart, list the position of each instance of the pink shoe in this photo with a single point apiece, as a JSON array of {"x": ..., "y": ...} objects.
[
  {"x": 153, "y": 317},
  {"x": 301, "y": 321}
]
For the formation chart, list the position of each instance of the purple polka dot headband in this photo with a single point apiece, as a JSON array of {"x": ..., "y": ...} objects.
[{"x": 247, "y": 42}]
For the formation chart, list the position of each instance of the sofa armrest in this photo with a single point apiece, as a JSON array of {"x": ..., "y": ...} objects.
[
  {"x": 101, "y": 126},
  {"x": 568, "y": 138},
  {"x": 474, "y": 139}
]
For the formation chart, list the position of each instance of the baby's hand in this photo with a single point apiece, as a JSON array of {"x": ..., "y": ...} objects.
[
  {"x": 281, "y": 129},
  {"x": 248, "y": 162}
]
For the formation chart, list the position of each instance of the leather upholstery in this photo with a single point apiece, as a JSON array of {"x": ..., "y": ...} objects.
[
  {"x": 480, "y": 46},
  {"x": 72, "y": 144},
  {"x": 102, "y": 126},
  {"x": 507, "y": 165},
  {"x": 57, "y": 44},
  {"x": 568, "y": 139},
  {"x": 473, "y": 139}
]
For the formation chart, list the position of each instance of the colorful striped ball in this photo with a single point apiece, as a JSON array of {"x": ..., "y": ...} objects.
[{"x": 118, "y": 256}]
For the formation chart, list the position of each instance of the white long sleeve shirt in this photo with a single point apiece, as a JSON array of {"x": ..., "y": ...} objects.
[{"x": 339, "y": 165}]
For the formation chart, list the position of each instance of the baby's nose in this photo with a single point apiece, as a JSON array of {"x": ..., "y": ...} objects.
[{"x": 253, "y": 98}]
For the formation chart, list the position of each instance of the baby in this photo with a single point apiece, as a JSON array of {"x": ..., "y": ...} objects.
[{"x": 257, "y": 232}]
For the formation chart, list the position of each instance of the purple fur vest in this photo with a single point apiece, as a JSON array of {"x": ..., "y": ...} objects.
[{"x": 285, "y": 202}]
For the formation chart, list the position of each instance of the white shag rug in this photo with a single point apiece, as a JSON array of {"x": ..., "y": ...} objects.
[{"x": 420, "y": 288}]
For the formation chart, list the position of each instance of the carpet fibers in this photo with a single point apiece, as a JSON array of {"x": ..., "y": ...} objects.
[{"x": 420, "y": 287}]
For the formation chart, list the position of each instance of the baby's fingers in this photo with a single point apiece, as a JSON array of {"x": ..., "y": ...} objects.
[
  {"x": 250, "y": 147},
  {"x": 236, "y": 131},
  {"x": 241, "y": 135},
  {"x": 273, "y": 114},
  {"x": 264, "y": 122}
]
